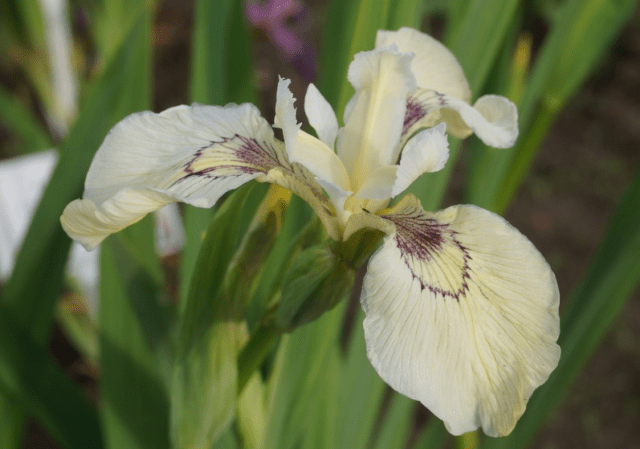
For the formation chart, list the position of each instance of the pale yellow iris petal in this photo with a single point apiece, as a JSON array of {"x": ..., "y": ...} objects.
[
  {"x": 303, "y": 148},
  {"x": 434, "y": 66},
  {"x": 494, "y": 119},
  {"x": 379, "y": 184},
  {"x": 370, "y": 138},
  {"x": 462, "y": 315},
  {"x": 367, "y": 220},
  {"x": 426, "y": 152},
  {"x": 443, "y": 94},
  {"x": 321, "y": 116},
  {"x": 192, "y": 154},
  {"x": 89, "y": 224}
]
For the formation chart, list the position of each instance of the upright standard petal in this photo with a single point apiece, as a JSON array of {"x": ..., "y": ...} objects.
[
  {"x": 434, "y": 66},
  {"x": 303, "y": 148},
  {"x": 443, "y": 94},
  {"x": 426, "y": 152},
  {"x": 191, "y": 154},
  {"x": 467, "y": 320},
  {"x": 371, "y": 136},
  {"x": 321, "y": 116}
]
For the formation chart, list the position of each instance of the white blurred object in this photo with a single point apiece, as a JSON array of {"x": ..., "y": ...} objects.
[
  {"x": 63, "y": 78},
  {"x": 22, "y": 182},
  {"x": 170, "y": 236}
]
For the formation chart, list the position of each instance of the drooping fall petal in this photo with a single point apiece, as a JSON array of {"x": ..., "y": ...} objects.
[
  {"x": 192, "y": 154},
  {"x": 461, "y": 314},
  {"x": 494, "y": 119}
]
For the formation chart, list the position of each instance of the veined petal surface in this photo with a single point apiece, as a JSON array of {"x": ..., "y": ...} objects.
[
  {"x": 193, "y": 154},
  {"x": 370, "y": 138},
  {"x": 467, "y": 322},
  {"x": 494, "y": 119}
]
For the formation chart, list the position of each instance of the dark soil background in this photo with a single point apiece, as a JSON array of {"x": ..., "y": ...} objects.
[
  {"x": 582, "y": 171},
  {"x": 564, "y": 206}
]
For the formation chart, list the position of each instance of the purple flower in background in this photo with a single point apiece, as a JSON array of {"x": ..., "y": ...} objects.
[{"x": 275, "y": 18}]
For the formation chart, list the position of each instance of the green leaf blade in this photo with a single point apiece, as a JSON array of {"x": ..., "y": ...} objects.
[
  {"x": 32, "y": 382},
  {"x": 135, "y": 410}
]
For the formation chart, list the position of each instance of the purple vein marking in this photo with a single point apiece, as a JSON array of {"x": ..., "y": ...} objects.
[
  {"x": 414, "y": 112},
  {"x": 260, "y": 157},
  {"x": 422, "y": 239},
  {"x": 244, "y": 150}
]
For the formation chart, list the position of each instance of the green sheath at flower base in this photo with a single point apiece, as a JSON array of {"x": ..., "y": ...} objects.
[
  {"x": 316, "y": 283},
  {"x": 461, "y": 309}
]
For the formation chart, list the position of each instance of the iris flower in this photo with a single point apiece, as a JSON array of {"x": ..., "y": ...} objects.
[{"x": 461, "y": 309}]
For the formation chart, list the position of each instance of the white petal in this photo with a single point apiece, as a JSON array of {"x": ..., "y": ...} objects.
[
  {"x": 195, "y": 153},
  {"x": 321, "y": 116},
  {"x": 89, "y": 224},
  {"x": 462, "y": 315},
  {"x": 311, "y": 193},
  {"x": 371, "y": 136},
  {"x": 444, "y": 88},
  {"x": 379, "y": 184},
  {"x": 494, "y": 119},
  {"x": 434, "y": 66},
  {"x": 348, "y": 109},
  {"x": 502, "y": 117},
  {"x": 285, "y": 117},
  {"x": 426, "y": 152},
  {"x": 320, "y": 160},
  {"x": 338, "y": 196},
  {"x": 303, "y": 148},
  {"x": 191, "y": 154}
]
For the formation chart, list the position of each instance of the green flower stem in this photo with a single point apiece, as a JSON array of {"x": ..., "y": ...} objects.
[
  {"x": 255, "y": 352},
  {"x": 352, "y": 254},
  {"x": 355, "y": 252},
  {"x": 468, "y": 440}
]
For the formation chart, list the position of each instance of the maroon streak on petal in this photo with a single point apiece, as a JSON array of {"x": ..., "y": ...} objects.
[
  {"x": 425, "y": 242},
  {"x": 259, "y": 157},
  {"x": 414, "y": 112},
  {"x": 239, "y": 155}
]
